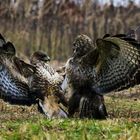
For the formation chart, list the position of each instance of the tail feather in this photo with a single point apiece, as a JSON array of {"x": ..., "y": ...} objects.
[{"x": 89, "y": 108}]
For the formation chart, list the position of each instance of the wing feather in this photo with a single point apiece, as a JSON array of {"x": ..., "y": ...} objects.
[{"x": 119, "y": 64}]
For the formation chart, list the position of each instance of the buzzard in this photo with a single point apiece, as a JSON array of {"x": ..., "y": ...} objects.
[
  {"x": 14, "y": 82},
  {"x": 45, "y": 84},
  {"x": 93, "y": 70},
  {"x": 13, "y": 85}
]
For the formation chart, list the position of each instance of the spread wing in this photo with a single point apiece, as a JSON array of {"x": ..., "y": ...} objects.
[
  {"x": 7, "y": 49},
  {"x": 118, "y": 64},
  {"x": 112, "y": 65},
  {"x": 23, "y": 68},
  {"x": 13, "y": 84}
]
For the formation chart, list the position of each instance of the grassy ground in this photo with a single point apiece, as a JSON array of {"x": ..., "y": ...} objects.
[{"x": 123, "y": 123}]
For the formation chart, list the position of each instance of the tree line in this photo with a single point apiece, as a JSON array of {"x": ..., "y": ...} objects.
[{"x": 51, "y": 25}]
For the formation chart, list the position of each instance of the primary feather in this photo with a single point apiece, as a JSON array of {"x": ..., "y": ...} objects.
[{"x": 120, "y": 64}]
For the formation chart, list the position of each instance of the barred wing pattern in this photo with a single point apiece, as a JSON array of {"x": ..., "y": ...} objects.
[
  {"x": 45, "y": 80},
  {"x": 121, "y": 68},
  {"x": 13, "y": 86}
]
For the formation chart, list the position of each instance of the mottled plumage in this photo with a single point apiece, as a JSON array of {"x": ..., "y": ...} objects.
[
  {"x": 79, "y": 76},
  {"x": 45, "y": 84},
  {"x": 113, "y": 64},
  {"x": 119, "y": 65},
  {"x": 22, "y": 83},
  {"x": 13, "y": 85}
]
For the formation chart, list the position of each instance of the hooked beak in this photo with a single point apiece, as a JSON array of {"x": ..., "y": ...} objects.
[{"x": 46, "y": 59}]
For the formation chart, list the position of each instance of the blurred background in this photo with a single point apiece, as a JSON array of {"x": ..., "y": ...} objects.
[{"x": 52, "y": 25}]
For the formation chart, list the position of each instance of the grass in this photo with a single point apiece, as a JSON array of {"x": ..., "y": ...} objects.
[{"x": 123, "y": 123}]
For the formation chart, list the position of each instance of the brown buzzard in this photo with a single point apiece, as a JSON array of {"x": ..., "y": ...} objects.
[
  {"x": 45, "y": 84},
  {"x": 93, "y": 70},
  {"x": 13, "y": 85},
  {"x": 16, "y": 76}
]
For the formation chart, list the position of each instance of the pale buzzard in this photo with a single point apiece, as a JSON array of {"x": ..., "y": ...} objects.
[{"x": 45, "y": 84}]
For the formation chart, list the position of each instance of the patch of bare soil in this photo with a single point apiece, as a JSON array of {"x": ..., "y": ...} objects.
[{"x": 15, "y": 112}]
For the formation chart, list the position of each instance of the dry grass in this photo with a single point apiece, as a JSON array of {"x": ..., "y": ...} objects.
[{"x": 22, "y": 122}]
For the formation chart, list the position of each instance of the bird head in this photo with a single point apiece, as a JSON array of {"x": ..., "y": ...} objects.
[
  {"x": 82, "y": 45},
  {"x": 39, "y": 56}
]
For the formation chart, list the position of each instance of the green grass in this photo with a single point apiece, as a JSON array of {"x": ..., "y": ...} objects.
[
  {"x": 123, "y": 124},
  {"x": 70, "y": 129}
]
